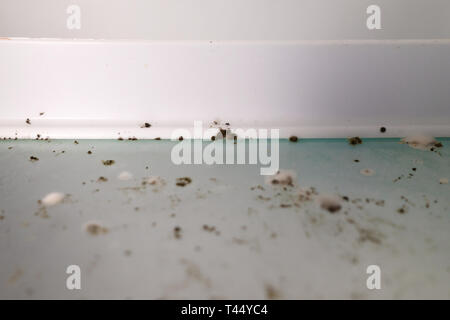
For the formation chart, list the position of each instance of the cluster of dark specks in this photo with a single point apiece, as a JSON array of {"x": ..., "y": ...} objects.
[
  {"x": 108, "y": 162},
  {"x": 211, "y": 229}
]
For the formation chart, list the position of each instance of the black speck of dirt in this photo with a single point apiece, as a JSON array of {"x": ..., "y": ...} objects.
[
  {"x": 157, "y": 138},
  {"x": 354, "y": 141},
  {"x": 76, "y": 142},
  {"x": 213, "y": 138},
  {"x": 438, "y": 145},
  {"x": 414, "y": 169},
  {"x": 28, "y": 121},
  {"x": 293, "y": 138},
  {"x": 147, "y": 125},
  {"x": 383, "y": 129},
  {"x": 345, "y": 198},
  {"x": 180, "y": 138},
  {"x": 41, "y": 113},
  {"x": 33, "y": 158},
  {"x": 108, "y": 162},
  {"x": 102, "y": 179},
  {"x": 181, "y": 182},
  {"x": 89, "y": 152},
  {"x": 132, "y": 138},
  {"x": 120, "y": 138},
  {"x": 177, "y": 232},
  {"x": 356, "y": 160}
]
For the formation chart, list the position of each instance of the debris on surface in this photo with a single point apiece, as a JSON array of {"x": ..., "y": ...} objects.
[
  {"x": 354, "y": 141},
  {"x": 177, "y": 232},
  {"x": 421, "y": 142},
  {"x": 102, "y": 179},
  {"x": 282, "y": 177},
  {"x": 125, "y": 175},
  {"x": 53, "y": 198},
  {"x": 108, "y": 162},
  {"x": 181, "y": 182},
  {"x": 146, "y": 125},
  {"x": 330, "y": 203},
  {"x": 95, "y": 229},
  {"x": 383, "y": 129},
  {"x": 28, "y": 121},
  {"x": 293, "y": 138},
  {"x": 443, "y": 181},
  {"x": 367, "y": 172},
  {"x": 33, "y": 159}
]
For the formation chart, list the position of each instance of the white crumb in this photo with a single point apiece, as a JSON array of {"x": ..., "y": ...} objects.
[
  {"x": 154, "y": 181},
  {"x": 420, "y": 141},
  {"x": 331, "y": 203},
  {"x": 443, "y": 181},
  {"x": 282, "y": 177},
  {"x": 52, "y": 199},
  {"x": 125, "y": 175},
  {"x": 367, "y": 172}
]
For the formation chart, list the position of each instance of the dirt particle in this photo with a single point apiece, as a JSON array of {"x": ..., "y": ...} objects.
[
  {"x": 95, "y": 229},
  {"x": 33, "y": 159},
  {"x": 157, "y": 138},
  {"x": 367, "y": 172},
  {"x": 332, "y": 204},
  {"x": 102, "y": 179},
  {"x": 293, "y": 138},
  {"x": 146, "y": 125},
  {"x": 354, "y": 141},
  {"x": 28, "y": 121},
  {"x": 282, "y": 177},
  {"x": 383, "y": 129},
  {"x": 443, "y": 181},
  {"x": 108, "y": 162},
  {"x": 75, "y": 142},
  {"x": 271, "y": 292},
  {"x": 181, "y": 182},
  {"x": 89, "y": 152},
  {"x": 177, "y": 232},
  {"x": 180, "y": 138}
]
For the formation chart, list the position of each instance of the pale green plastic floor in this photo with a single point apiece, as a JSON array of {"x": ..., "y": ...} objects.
[{"x": 259, "y": 243}]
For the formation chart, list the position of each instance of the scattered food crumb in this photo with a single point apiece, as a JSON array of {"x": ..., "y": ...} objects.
[
  {"x": 331, "y": 203},
  {"x": 125, "y": 175},
  {"x": 367, "y": 172},
  {"x": 177, "y": 232},
  {"x": 421, "y": 142},
  {"x": 354, "y": 141},
  {"x": 108, "y": 162},
  {"x": 95, "y": 229},
  {"x": 181, "y": 182},
  {"x": 282, "y": 177},
  {"x": 53, "y": 198}
]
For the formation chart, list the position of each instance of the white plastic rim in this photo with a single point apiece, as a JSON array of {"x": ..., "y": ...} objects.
[{"x": 313, "y": 89}]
